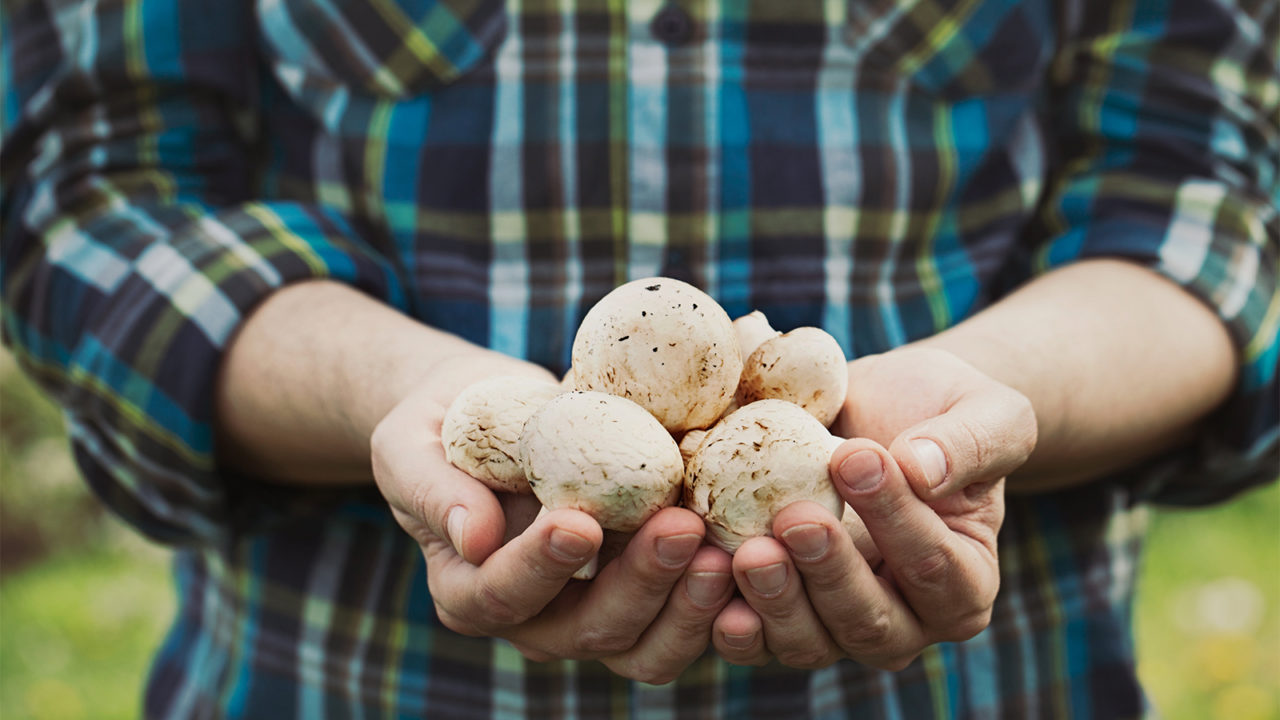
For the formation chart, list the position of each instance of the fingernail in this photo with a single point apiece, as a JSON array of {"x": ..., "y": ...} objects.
[
  {"x": 455, "y": 524},
  {"x": 570, "y": 547},
  {"x": 705, "y": 588},
  {"x": 931, "y": 459},
  {"x": 768, "y": 580},
  {"x": 742, "y": 642},
  {"x": 807, "y": 542},
  {"x": 677, "y": 550},
  {"x": 861, "y": 471}
]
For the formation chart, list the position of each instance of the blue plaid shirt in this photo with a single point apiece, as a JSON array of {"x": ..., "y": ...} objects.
[{"x": 882, "y": 169}]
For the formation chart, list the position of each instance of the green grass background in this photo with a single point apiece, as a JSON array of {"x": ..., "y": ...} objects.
[{"x": 84, "y": 602}]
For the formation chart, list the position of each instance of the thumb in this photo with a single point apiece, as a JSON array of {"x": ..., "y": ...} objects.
[
  {"x": 432, "y": 500},
  {"x": 984, "y": 436}
]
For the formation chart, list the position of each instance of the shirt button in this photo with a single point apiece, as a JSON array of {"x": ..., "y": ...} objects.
[{"x": 672, "y": 26}]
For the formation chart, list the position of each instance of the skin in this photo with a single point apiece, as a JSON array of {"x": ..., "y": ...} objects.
[
  {"x": 1084, "y": 370},
  {"x": 387, "y": 382}
]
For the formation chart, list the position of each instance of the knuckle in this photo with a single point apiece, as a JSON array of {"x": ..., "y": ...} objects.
[
  {"x": 652, "y": 582},
  {"x": 828, "y": 578},
  {"x": 975, "y": 443},
  {"x": 966, "y": 627},
  {"x": 780, "y": 610},
  {"x": 930, "y": 571},
  {"x": 454, "y": 623},
  {"x": 494, "y": 609},
  {"x": 600, "y": 640},
  {"x": 889, "y": 508},
  {"x": 871, "y": 632}
]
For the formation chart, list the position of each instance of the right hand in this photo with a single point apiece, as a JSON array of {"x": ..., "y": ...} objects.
[{"x": 646, "y": 616}]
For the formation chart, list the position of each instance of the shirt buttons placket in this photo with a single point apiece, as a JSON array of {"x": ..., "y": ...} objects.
[{"x": 672, "y": 26}]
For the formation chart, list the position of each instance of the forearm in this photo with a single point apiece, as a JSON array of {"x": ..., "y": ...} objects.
[
  {"x": 313, "y": 370},
  {"x": 1118, "y": 362}
]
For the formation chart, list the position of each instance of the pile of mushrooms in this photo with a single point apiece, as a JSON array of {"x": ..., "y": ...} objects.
[{"x": 667, "y": 401}]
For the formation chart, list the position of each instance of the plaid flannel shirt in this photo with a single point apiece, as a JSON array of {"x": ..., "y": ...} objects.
[{"x": 882, "y": 169}]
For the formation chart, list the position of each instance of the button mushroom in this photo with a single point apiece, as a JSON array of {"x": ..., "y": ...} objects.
[
  {"x": 690, "y": 443},
  {"x": 481, "y": 429},
  {"x": 603, "y": 455},
  {"x": 753, "y": 329},
  {"x": 666, "y": 346},
  {"x": 805, "y": 366},
  {"x": 754, "y": 463}
]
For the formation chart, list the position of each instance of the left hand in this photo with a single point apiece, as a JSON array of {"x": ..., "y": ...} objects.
[{"x": 934, "y": 438}]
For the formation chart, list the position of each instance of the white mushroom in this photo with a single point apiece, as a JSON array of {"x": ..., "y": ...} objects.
[
  {"x": 805, "y": 366},
  {"x": 566, "y": 382},
  {"x": 481, "y": 429},
  {"x": 753, "y": 329},
  {"x": 754, "y": 463},
  {"x": 603, "y": 455},
  {"x": 663, "y": 344},
  {"x": 690, "y": 443}
]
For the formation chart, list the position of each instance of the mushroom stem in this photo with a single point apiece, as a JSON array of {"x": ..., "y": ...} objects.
[{"x": 753, "y": 329}]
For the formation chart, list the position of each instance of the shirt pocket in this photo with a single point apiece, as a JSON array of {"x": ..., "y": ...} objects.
[
  {"x": 953, "y": 48},
  {"x": 392, "y": 49}
]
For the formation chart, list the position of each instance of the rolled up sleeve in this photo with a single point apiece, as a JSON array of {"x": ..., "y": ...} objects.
[
  {"x": 132, "y": 246},
  {"x": 1164, "y": 129}
]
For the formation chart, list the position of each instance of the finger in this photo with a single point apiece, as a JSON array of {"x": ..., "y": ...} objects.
[
  {"x": 430, "y": 497},
  {"x": 617, "y": 606},
  {"x": 518, "y": 580},
  {"x": 865, "y": 618},
  {"x": 738, "y": 635},
  {"x": 768, "y": 580},
  {"x": 985, "y": 435},
  {"x": 682, "y": 631},
  {"x": 948, "y": 579},
  {"x": 862, "y": 539}
]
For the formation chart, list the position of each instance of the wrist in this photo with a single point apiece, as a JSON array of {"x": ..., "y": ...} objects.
[{"x": 311, "y": 372}]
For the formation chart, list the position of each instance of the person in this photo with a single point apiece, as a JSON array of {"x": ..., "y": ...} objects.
[{"x": 254, "y": 249}]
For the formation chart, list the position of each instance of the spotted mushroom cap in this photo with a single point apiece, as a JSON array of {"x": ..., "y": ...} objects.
[
  {"x": 481, "y": 429},
  {"x": 603, "y": 455},
  {"x": 805, "y": 366},
  {"x": 755, "y": 462},
  {"x": 664, "y": 345}
]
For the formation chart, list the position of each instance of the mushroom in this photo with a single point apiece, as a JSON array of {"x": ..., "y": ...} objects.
[
  {"x": 481, "y": 429},
  {"x": 753, "y": 329},
  {"x": 754, "y": 463},
  {"x": 805, "y": 366},
  {"x": 666, "y": 346},
  {"x": 603, "y": 455},
  {"x": 690, "y": 443}
]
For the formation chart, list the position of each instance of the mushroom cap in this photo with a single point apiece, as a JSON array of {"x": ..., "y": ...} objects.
[
  {"x": 663, "y": 344},
  {"x": 754, "y": 463},
  {"x": 481, "y": 429},
  {"x": 603, "y": 455},
  {"x": 805, "y": 366},
  {"x": 753, "y": 329}
]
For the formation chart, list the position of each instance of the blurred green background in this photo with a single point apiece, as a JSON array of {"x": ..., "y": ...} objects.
[{"x": 84, "y": 602}]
